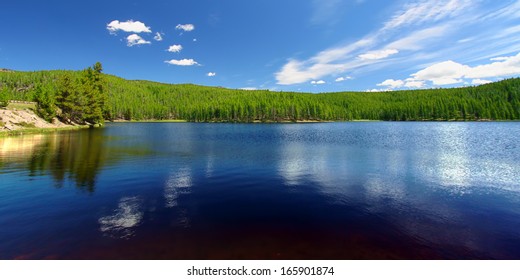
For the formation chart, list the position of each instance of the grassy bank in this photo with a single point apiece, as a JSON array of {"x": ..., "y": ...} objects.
[{"x": 41, "y": 130}]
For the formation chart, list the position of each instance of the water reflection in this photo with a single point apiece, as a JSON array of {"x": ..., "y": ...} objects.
[
  {"x": 22, "y": 146},
  {"x": 341, "y": 190},
  {"x": 77, "y": 156},
  {"x": 124, "y": 220},
  {"x": 300, "y": 162},
  {"x": 413, "y": 179},
  {"x": 178, "y": 183}
]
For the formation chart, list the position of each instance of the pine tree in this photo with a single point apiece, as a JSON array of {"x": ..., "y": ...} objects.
[{"x": 46, "y": 107}]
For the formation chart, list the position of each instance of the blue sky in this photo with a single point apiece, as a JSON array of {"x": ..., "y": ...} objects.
[{"x": 290, "y": 45}]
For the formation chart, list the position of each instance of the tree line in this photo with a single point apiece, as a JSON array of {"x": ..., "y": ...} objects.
[{"x": 90, "y": 96}]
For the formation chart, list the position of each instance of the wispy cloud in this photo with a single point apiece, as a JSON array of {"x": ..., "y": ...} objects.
[
  {"x": 335, "y": 60},
  {"x": 510, "y": 10},
  {"x": 422, "y": 32},
  {"x": 418, "y": 39},
  {"x": 343, "y": 57},
  {"x": 419, "y": 12},
  {"x": 134, "y": 39},
  {"x": 374, "y": 55},
  {"x": 182, "y": 62},
  {"x": 158, "y": 36},
  {"x": 128, "y": 26}
]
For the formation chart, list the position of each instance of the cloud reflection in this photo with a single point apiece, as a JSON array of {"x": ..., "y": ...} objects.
[
  {"x": 177, "y": 184},
  {"x": 125, "y": 218}
]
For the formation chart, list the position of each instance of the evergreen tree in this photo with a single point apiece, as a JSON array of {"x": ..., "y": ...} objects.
[
  {"x": 82, "y": 100},
  {"x": 46, "y": 108}
]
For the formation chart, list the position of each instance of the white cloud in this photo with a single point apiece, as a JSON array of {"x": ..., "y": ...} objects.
[
  {"x": 500, "y": 58},
  {"x": 377, "y": 90},
  {"x": 182, "y": 62},
  {"x": 507, "y": 66},
  {"x": 378, "y": 54},
  {"x": 449, "y": 72},
  {"x": 443, "y": 73},
  {"x": 175, "y": 48},
  {"x": 211, "y": 74},
  {"x": 480, "y": 82},
  {"x": 391, "y": 83},
  {"x": 128, "y": 26},
  {"x": 185, "y": 27},
  {"x": 135, "y": 39},
  {"x": 158, "y": 37},
  {"x": 248, "y": 88},
  {"x": 341, "y": 79},
  {"x": 320, "y": 82},
  {"x": 412, "y": 83}
]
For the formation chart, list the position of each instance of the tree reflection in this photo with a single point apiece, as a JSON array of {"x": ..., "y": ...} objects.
[{"x": 77, "y": 156}]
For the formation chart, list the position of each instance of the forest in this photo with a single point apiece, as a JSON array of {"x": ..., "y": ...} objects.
[{"x": 91, "y": 96}]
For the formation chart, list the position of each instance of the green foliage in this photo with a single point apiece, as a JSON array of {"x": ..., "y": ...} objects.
[
  {"x": 90, "y": 96},
  {"x": 4, "y": 101},
  {"x": 26, "y": 125},
  {"x": 44, "y": 95},
  {"x": 75, "y": 96},
  {"x": 148, "y": 100},
  {"x": 80, "y": 95}
]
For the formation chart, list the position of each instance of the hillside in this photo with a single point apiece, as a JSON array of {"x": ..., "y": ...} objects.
[{"x": 140, "y": 100}]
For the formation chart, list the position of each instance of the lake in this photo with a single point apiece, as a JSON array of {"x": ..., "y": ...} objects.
[{"x": 359, "y": 190}]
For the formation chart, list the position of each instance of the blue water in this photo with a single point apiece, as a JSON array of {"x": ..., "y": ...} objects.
[{"x": 376, "y": 190}]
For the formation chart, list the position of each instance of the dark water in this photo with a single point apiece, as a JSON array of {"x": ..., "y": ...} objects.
[{"x": 253, "y": 191}]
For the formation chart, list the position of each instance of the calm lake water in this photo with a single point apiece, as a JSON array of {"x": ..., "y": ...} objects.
[{"x": 378, "y": 190}]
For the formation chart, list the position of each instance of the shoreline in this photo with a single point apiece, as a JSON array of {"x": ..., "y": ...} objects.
[
  {"x": 40, "y": 130},
  {"x": 19, "y": 120}
]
